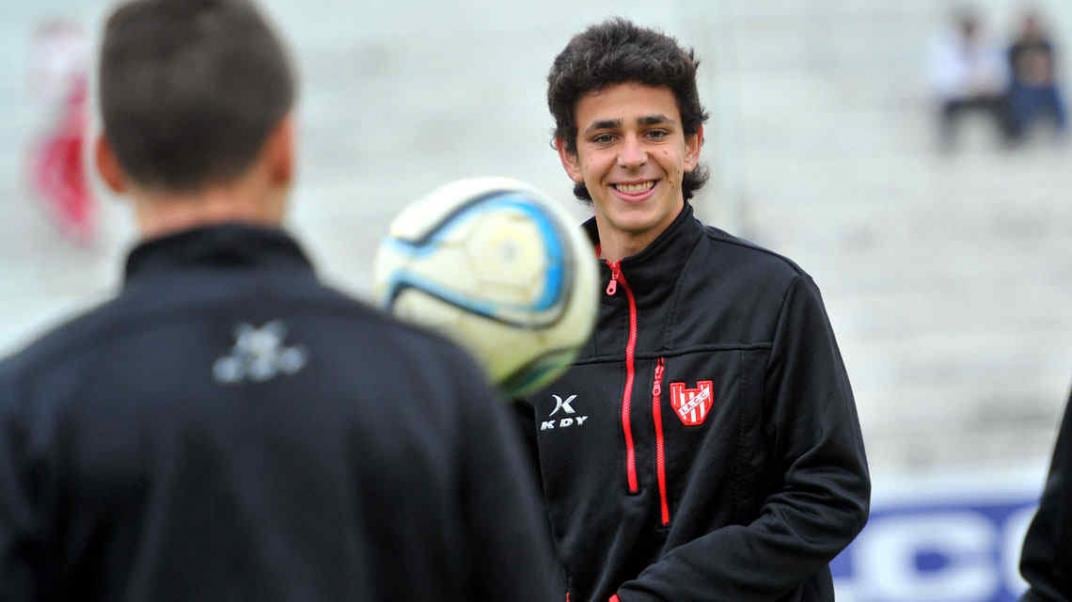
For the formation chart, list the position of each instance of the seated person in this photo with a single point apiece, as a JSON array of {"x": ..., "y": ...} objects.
[
  {"x": 968, "y": 75},
  {"x": 1034, "y": 93}
]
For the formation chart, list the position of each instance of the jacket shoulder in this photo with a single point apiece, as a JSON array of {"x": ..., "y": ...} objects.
[
  {"x": 764, "y": 276},
  {"x": 751, "y": 255},
  {"x": 83, "y": 328},
  {"x": 157, "y": 314}
]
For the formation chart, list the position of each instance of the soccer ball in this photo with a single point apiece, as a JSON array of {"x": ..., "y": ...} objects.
[{"x": 499, "y": 268}]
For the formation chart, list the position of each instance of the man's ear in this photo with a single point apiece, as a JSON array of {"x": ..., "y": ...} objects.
[
  {"x": 570, "y": 162},
  {"x": 693, "y": 144},
  {"x": 108, "y": 165},
  {"x": 279, "y": 152}
]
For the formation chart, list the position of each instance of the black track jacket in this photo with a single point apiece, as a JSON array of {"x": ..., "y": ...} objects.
[
  {"x": 1046, "y": 561},
  {"x": 705, "y": 446},
  {"x": 228, "y": 428}
]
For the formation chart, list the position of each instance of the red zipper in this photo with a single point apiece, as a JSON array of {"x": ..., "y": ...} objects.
[
  {"x": 660, "y": 449},
  {"x": 617, "y": 277}
]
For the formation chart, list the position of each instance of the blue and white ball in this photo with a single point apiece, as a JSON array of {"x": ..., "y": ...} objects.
[{"x": 501, "y": 269}]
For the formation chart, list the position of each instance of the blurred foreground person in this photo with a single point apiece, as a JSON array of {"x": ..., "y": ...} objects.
[
  {"x": 705, "y": 443},
  {"x": 1046, "y": 561},
  {"x": 228, "y": 428}
]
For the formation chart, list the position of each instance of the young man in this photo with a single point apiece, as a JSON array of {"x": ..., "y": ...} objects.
[
  {"x": 228, "y": 428},
  {"x": 719, "y": 456},
  {"x": 1046, "y": 561}
]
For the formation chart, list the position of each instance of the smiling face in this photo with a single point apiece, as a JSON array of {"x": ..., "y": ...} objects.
[{"x": 632, "y": 154}]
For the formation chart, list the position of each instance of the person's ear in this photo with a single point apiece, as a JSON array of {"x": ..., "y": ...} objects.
[
  {"x": 570, "y": 162},
  {"x": 108, "y": 165},
  {"x": 693, "y": 144},
  {"x": 279, "y": 153}
]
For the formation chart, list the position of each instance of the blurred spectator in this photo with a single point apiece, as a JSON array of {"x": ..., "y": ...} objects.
[
  {"x": 968, "y": 75},
  {"x": 59, "y": 63},
  {"x": 1034, "y": 93}
]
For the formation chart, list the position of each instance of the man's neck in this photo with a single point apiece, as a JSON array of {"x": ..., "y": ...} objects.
[
  {"x": 159, "y": 214},
  {"x": 615, "y": 244}
]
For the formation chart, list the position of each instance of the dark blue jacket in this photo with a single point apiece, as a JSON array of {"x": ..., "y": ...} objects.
[
  {"x": 227, "y": 428},
  {"x": 705, "y": 445}
]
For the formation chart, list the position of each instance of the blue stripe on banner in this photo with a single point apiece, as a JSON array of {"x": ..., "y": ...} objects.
[{"x": 935, "y": 550}]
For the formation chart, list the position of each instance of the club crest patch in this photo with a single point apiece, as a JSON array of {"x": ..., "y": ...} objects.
[{"x": 692, "y": 405}]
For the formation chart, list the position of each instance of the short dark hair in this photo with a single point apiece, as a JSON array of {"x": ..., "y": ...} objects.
[
  {"x": 190, "y": 89},
  {"x": 617, "y": 51}
]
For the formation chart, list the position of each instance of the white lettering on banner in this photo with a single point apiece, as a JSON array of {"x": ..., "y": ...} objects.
[{"x": 886, "y": 558}]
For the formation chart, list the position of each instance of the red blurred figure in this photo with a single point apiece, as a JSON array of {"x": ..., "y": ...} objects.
[{"x": 57, "y": 171}]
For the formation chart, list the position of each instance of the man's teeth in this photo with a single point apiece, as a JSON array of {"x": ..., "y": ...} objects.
[{"x": 635, "y": 188}]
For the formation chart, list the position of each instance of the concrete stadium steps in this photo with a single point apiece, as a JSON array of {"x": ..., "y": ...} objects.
[{"x": 948, "y": 277}]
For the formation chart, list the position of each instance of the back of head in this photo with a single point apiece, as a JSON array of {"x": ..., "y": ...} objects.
[
  {"x": 617, "y": 51},
  {"x": 190, "y": 89}
]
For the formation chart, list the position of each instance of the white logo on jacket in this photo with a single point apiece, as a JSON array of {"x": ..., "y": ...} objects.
[
  {"x": 259, "y": 355},
  {"x": 563, "y": 423}
]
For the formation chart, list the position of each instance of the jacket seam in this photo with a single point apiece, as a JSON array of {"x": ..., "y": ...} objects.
[
  {"x": 781, "y": 320},
  {"x": 667, "y": 329},
  {"x": 720, "y": 237},
  {"x": 648, "y": 355},
  {"x": 740, "y": 468}
]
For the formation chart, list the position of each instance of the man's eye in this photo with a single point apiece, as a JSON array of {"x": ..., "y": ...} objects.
[
  {"x": 657, "y": 134},
  {"x": 603, "y": 138}
]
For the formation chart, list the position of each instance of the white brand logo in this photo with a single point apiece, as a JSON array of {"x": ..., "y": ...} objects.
[
  {"x": 563, "y": 405},
  {"x": 259, "y": 355},
  {"x": 562, "y": 423}
]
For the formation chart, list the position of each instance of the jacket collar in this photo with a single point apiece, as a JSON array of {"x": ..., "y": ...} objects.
[
  {"x": 652, "y": 272},
  {"x": 229, "y": 245}
]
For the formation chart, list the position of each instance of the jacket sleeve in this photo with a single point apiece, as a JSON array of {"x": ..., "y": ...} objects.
[
  {"x": 507, "y": 542},
  {"x": 19, "y": 543},
  {"x": 1046, "y": 561},
  {"x": 822, "y": 498}
]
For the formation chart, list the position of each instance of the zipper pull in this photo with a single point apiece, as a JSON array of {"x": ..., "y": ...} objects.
[
  {"x": 612, "y": 286},
  {"x": 657, "y": 388}
]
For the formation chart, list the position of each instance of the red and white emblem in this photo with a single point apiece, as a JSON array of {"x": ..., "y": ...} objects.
[{"x": 692, "y": 405}]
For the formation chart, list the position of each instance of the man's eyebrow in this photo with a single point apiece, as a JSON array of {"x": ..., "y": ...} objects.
[
  {"x": 657, "y": 119},
  {"x": 604, "y": 124}
]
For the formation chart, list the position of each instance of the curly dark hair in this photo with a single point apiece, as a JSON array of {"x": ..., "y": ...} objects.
[{"x": 618, "y": 51}]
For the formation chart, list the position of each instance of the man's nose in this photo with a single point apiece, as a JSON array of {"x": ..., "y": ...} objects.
[{"x": 632, "y": 153}]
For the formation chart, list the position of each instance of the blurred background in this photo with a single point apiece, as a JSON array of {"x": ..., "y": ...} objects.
[{"x": 943, "y": 247}]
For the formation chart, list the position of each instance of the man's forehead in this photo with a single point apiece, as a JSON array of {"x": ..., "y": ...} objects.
[{"x": 627, "y": 104}]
